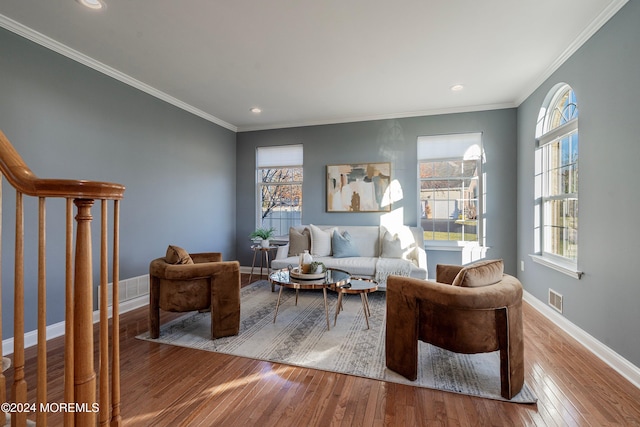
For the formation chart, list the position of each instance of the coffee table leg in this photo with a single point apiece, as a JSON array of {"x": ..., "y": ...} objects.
[
  {"x": 366, "y": 300},
  {"x": 326, "y": 308},
  {"x": 338, "y": 306},
  {"x": 363, "y": 296},
  {"x": 277, "y": 304}
]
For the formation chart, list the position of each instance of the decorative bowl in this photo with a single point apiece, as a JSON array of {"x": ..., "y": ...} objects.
[{"x": 296, "y": 274}]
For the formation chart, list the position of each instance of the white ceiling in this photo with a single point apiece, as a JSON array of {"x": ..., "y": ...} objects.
[{"x": 318, "y": 61}]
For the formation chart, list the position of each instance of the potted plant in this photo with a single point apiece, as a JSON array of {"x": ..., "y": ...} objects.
[
  {"x": 264, "y": 234},
  {"x": 317, "y": 267}
]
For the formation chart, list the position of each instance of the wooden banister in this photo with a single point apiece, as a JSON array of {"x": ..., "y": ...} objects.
[
  {"x": 23, "y": 180},
  {"x": 82, "y": 386}
]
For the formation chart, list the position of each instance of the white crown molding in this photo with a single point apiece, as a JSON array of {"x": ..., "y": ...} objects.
[
  {"x": 606, "y": 14},
  {"x": 49, "y": 43},
  {"x": 604, "y": 353},
  {"x": 609, "y": 11},
  {"x": 488, "y": 107}
]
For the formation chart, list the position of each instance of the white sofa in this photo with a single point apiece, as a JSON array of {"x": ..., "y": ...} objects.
[{"x": 380, "y": 251}]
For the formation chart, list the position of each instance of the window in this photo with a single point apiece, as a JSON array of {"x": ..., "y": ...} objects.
[
  {"x": 450, "y": 186},
  {"x": 556, "y": 180},
  {"x": 279, "y": 178}
]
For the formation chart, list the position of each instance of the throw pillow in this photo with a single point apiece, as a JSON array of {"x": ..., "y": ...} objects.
[
  {"x": 299, "y": 242},
  {"x": 481, "y": 273},
  {"x": 320, "y": 240},
  {"x": 177, "y": 255},
  {"x": 343, "y": 246},
  {"x": 405, "y": 240},
  {"x": 391, "y": 246}
]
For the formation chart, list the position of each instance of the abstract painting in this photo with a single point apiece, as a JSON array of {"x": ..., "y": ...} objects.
[{"x": 359, "y": 187}]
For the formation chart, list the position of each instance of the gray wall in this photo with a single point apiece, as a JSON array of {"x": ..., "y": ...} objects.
[
  {"x": 605, "y": 76},
  {"x": 69, "y": 121},
  {"x": 394, "y": 141},
  {"x": 184, "y": 188}
]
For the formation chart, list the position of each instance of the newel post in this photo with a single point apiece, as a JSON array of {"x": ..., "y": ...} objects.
[{"x": 84, "y": 372}]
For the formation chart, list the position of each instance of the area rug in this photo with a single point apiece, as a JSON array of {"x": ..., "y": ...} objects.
[{"x": 300, "y": 337}]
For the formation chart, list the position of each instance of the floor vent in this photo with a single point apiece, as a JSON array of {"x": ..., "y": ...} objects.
[{"x": 555, "y": 300}]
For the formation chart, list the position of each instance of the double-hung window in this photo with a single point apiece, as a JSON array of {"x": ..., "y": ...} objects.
[
  {"x": 279, "y": 187},
  {"x": 450, "y": 172},
  {"x": 556, "y": 181}
]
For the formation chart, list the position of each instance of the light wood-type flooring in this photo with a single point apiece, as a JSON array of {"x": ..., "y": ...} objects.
[{"x": 164, "y": 385}]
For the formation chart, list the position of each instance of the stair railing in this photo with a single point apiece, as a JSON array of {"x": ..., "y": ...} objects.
[{"x": 94, "y": 399}]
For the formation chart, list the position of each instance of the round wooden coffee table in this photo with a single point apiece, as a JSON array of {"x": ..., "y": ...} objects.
[
  {"x": 356, "y": 285},
  {"x": 332, "y": 278}
]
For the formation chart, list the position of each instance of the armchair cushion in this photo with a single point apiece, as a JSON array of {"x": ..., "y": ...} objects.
[
  {"x": 177, "y": 256},
  {"x": 481, "y": 273}
]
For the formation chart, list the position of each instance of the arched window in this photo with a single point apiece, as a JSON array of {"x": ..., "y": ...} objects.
[{"x": 556, "y": 181}]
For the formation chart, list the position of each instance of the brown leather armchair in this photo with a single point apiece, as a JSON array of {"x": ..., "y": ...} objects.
[
  {"x": 205, "y": 283},
  {"x": 472, "y": 309}
]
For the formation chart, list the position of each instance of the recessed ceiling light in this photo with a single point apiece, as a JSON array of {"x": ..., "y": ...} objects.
[
  {"x": 256, "y": 110},
  {"x": 457, "y": 88},
  {"x": 92, "y": 4}
]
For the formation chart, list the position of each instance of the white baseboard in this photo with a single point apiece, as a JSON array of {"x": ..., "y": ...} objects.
[
  {"x": 608, "y": 356},
  {"x": 57, "y": 329}
]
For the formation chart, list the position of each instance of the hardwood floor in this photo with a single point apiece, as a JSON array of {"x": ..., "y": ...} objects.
[{"x": 171, "y": 386}]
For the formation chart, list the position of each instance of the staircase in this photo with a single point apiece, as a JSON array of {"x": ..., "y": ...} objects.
[{"x": 95, "y": 398}]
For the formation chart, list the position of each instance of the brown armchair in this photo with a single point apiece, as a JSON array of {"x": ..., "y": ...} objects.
[
  {"x": 188, "y": 282},
  {"x": 472, "y": 309}
]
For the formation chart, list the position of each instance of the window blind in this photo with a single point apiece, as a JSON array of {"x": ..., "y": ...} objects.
[
  {"x": 279, "y": 156},
  {"x": 461, "y": 145}
]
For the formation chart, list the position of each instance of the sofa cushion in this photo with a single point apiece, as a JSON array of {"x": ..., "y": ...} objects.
[
  {"x": 391, "y": 246},
  {"x": 481, "y": 273},
  {"x": 177, "y": 255},
  {"x": 399, "y": 242},
  {"x": 320, "y": 240},
  {"x": 299, "y": 241},
  {"x": 365, "y": 238},
  {"x": 343, "y": 246},
  {"x": 355, "y": 266}
]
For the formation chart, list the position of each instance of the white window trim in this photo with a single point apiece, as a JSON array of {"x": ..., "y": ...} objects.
[
  {"x": 552, "y": 261},
  {"x": 558, "y": 133},
  {"x": 563, "y": 267},
  {"x": 441, "y": 144},
  {"x": 451, "y": 245},
  {"x": 278, "y": 156}
]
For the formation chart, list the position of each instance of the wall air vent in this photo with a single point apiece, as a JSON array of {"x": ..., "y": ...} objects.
[{"x": 555, "y": 300}]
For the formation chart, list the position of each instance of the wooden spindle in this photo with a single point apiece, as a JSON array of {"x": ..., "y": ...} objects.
[
  {"x": 41, "y": 382},
  {"x": 69, "y": 318},
  {"x": 80, "y": 376},
  {"x": 104, "y": 320},
  {"x": 84, "y": 372},
  {"x": 19, "y": 387},
  {"x": 116, "y": 419}
]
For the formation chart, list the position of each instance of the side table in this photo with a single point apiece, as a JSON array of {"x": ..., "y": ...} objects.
[
  {"x": 357, "y": 285},
  {"x": 264, "y": 259}
]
